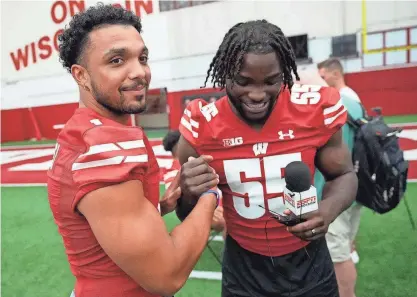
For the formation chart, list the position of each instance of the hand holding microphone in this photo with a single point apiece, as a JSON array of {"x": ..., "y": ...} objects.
[{"x": 303, "y": 216}]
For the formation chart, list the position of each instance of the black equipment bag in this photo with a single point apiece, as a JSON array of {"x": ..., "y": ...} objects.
[{"x": 379, "y": 163}]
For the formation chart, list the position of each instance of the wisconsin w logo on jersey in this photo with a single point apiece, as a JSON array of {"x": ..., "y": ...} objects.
[{"x": 260, "y": 148}]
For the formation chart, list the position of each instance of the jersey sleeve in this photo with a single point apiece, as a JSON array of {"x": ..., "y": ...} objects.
[
  {"x": 333, "y": 112},
  {"x": 170, "y": 174},
  {"x": 112, "y": 155},
  {"x": 192, "y": 122}
]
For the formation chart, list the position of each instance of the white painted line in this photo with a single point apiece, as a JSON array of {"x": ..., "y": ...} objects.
[
  {"x": 59, "y": 126},
  {"x": 403, "y": 124},
  {"x": 218, "y": 238},
  {"x": 22, "y": 185},
  {"x": 36, "y": 185},
  {"x": 211, "y": 275},
  {"x": 52, "y": 145}
]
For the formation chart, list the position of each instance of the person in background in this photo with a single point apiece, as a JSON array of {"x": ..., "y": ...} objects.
[
  {"x": 186, "y": 102},
  {"x": 342, "y": 232},
  {"x": 170, "y": 143},
  {"x": 212, "y": 99},
  {"x": 331, "y": 71}
]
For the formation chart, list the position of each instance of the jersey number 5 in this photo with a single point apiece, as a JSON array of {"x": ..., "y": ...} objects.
[
  {"x": 305, "y": 94},
  {"x": 256, "y": 190}
]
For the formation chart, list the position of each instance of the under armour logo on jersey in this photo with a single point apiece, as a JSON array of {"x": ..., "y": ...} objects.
[
  {"x": 209, "y": 111},
  {"x": 232, "y": 141},
  {"x": 96, "y": 122},
  {"x": 260, "y": 148},
  {"x": 283, "y": 135}
]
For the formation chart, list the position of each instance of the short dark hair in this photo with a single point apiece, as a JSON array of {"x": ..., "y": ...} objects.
[
  {"x": 73, "y": 40},
  {"x": 258, "y": 36},
  {"x": 332, "y": 64},
  {"x": 170, "y": 140}
]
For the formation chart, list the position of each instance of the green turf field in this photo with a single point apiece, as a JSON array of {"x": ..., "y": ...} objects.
[{"x": 34, "y": 263}]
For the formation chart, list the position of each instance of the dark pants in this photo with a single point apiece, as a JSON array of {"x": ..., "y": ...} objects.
[{"x": 246, "y": 274}]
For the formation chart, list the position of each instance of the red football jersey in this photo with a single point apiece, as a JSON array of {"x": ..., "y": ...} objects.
[
  {"x": 251, "y": 163},
  {"x": 94, "y": 152},
  {"x": 170, "y": 174}
]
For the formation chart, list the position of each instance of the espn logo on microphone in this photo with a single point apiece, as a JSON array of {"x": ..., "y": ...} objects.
[
  {"x": 301, "y": 203},
  {"x": 306, "y": 201}
]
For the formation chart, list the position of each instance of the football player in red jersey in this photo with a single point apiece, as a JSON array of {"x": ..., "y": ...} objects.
[
  {"x": 264, "y": 123},
  {"x": 103, "y": 185}
]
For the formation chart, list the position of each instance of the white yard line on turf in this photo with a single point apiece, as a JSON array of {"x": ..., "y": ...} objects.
[
  {"x": 211, "y": 275},
  {"x": 22, "y": 185},
  {"x": 403, "y": 124},
  {"x": 46, "y": 145},
  {"x": 217, "y": 238},
  {"x": 36, "y": 185}
]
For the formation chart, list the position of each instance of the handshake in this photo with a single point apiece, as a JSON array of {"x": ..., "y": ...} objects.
[{"x": 195, "y": 177}]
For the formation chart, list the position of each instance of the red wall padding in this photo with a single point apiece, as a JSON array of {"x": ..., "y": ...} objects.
[
  {"x": 16, "y": 125},
  {"x": 48, "y": 116},
  {"x": 174, "y": 100},
  {"x": 395, "y": 90}
]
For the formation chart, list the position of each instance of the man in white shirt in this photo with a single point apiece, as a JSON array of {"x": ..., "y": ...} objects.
[
  {"x": 331, "y": 71},
  {"x": 344, "y": 229}
]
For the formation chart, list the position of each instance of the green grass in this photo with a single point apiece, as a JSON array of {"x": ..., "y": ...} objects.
[
  {"x": 33, "y": 258},
  {"x": 153, "y": 133},
  {"x": 25, "y": 142},
  {"x": 387, "y": 246},
  {"x": 408, "y": 118}
]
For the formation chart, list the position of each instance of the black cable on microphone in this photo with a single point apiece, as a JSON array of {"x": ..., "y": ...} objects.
[{"x": 298, "y": 179}]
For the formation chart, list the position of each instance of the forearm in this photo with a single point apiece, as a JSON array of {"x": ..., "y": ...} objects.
[
  {"x": 339, "y": 194},
  {"x": 190, "y": 238}
]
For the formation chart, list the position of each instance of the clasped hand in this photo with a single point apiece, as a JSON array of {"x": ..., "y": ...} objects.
[{"x": 194, "y": 178}]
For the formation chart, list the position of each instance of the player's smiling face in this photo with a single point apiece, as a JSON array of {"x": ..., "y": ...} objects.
[
  {"x": 256, "y": 87},
  {"x": 117, "y": 65}
]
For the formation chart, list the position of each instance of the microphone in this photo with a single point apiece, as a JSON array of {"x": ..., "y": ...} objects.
[{"x": 299, "y": 195}]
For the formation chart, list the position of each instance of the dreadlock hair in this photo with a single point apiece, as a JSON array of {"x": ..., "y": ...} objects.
[
  {"x": 170, "y": 140},
  {"x": 73, "y": 40},
  {"x": 259, "y": 37}
]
